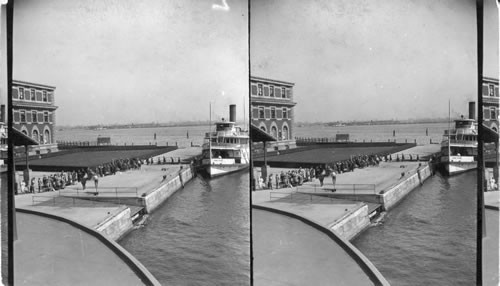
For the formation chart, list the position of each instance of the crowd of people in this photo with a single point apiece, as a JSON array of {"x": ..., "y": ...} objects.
[
  {"x": 58, "y": 181},
  {"x": 292, "y": 178}
]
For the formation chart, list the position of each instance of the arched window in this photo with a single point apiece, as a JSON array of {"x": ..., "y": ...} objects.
[
  {"x": 46, "y": 136},
  {"x": 35, "y": 135},
  {"x": 274, "y": 131},
  {"x": 285, "y": 133}
]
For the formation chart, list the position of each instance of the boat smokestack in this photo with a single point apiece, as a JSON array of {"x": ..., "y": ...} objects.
[
  {"x": 232, "y": 113},
  {"x": 472, "y": 110}
]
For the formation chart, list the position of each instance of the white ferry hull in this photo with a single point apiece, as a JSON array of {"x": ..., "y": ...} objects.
[
  {"x": 220, "y": 170},
  {"x": 454, "y": 168}
]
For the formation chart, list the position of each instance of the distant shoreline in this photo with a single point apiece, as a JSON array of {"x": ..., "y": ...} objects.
[{"x": 298, "y": 124}]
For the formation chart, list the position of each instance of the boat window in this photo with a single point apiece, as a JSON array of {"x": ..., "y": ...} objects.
[{"x": 463, "y": 124}]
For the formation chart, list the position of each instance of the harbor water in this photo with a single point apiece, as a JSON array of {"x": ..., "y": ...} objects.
[
  {"x": 430, "y": 237},
  {"x": 199, "y": 236}
]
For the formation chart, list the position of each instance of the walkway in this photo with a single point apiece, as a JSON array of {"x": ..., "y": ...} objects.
[
  {"x": 51, "y": 252},
  {"x": 289, "y": 252}
]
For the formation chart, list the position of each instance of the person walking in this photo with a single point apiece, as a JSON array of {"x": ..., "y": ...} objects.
[
  {"x": 321, "y": 177},
  {"x": 96, "y": 183},
  {"x": 334, "y": 179},
  {"x": 84, "y": 180}
]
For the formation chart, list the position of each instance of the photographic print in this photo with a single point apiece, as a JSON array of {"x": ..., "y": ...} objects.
[
  {"x": 133, "y": 165},
  {"x": 379, "y": 184}
]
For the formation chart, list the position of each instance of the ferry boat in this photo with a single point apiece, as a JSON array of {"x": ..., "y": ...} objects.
[
  {"x": 459, "y": 147},
  {"x": 227, "y": 149}
]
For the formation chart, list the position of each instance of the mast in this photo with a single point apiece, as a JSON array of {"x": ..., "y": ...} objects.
[
  {"x": 449, "y": 132},
  {"x": 210, "y": 135}
]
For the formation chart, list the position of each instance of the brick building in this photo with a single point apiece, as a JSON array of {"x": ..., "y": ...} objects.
[
  {"x": 272, "y": 108},
  {"x": 34, "y": 113},
  {"x": 490, "y": 103}
]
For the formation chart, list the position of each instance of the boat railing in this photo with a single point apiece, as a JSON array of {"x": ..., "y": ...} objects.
[
  {"x": 228, "y": 133},
  {"x": 463, "y": 142},
  {"x": 217, "y": 144}
]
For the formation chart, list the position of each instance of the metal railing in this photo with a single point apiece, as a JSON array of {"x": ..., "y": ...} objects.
[
  {"x": 341, "y": 188},
  {"x": 300, "y": 197},
  {"x": 62, "y": 200},
  {"x": 129, "y": 191}
]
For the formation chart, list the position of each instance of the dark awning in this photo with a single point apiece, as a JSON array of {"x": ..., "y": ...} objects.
[
  {"x": 259, "y": 135},
  {"x": 21, "y": 139},
  {"x": 489, "y": 135}
]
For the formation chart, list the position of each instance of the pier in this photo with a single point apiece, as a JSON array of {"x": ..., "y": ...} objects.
[
  {"x": 98, "y": 221},
  {"x": 356, "y": 201}
]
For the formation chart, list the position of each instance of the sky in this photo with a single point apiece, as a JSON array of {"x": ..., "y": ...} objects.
[
  {"x": 372, "y": 60},
  {"x": 133, "y": 61}
]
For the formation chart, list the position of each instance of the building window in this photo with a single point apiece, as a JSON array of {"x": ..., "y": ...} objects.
[
  {"x": 46, "y": 137},
  {"x": 33, "y": 97},
  {"x": 35, "y": 135},
  {"x": 259, "y": 89},
  {"x": 23, "y": 116},
  {"x": 274, "y": 131},
  {"x": 21, "y": 93},
  {"x": 285, "y": 134},
  {"x": 273, "y": 112},
  {"x": 486, "y": 114},
  {"x": 285, "y": 114},
  {"x": 493, "y": 113},
  {"x": 271, "y": 91},
  {"x": 261, "y": 112},
  {"x": 34, "y": 117},
  {"x": 46, "y": 117},
  {"x": 44, "y": 98},
  {"x": 492, "y": 90},
  {"x": 283, "y": 94}
]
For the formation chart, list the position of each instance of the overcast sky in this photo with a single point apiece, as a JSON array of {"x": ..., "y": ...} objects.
[
  {"x": 123, "y": 61},
  {"x": 368, "y": 60}
]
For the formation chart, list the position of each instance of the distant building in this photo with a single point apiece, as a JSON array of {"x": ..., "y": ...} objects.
[
  {"x": 490, "y": 103},
  {"x": 272, "y": 108},
  {"x": 34, "y": 113}
]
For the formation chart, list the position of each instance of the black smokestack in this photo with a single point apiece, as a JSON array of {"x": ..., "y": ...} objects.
[
  {"x": 472, "y": 110},
  {"x": 232, "y": 113}
]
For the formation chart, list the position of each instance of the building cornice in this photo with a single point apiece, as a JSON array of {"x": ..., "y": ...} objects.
[
  {"x": 267, "y": 100},
  {"x": 32, "y": 84},
  {"x": 26, "y": 104},
  {"x": 268, "y": 80},
  {"x": 490, "y": 79}
]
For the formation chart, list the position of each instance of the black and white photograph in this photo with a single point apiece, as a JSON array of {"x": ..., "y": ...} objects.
[
  {"x": 369, "y": 173},
  {"x": 249, "y": 142},
  {"x": 132, "y": 145}
]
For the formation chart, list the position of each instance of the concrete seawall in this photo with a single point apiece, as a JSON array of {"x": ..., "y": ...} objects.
[
  {"x": 116, "y": 226},
  {"x": 155, "y": 198},
  {"x": 391, "y": 197},
  {"x": 352, "y": 224}
]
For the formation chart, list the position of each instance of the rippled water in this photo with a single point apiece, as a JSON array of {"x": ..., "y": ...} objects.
[
  {"x": 421, "y": 132},
  {"x": 430, "y": 237},
  {"x": 183, "y": 135},
  {"x": 200, "y": 236}
]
